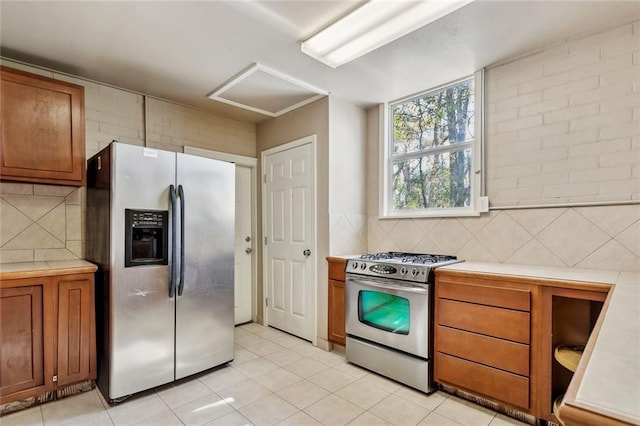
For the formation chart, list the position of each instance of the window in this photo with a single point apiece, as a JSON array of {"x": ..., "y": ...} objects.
[{"x": 432, "y": 152}]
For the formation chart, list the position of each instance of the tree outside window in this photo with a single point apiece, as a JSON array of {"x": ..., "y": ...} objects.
[{"x": 431, "y": 151}]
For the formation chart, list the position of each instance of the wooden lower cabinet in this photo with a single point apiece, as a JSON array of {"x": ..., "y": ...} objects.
[
  {"x": 483, "y": 339},
  {"x": 569, "y": 317},
  {"x": 47, "y": 335},
  {"x": 337, "y": 333},
  {"x": 336, "y": 301},
  {"x": 496, "y": 335},
  {"x": 76, "y": 330},
  {"x": 21, "y": 322}
]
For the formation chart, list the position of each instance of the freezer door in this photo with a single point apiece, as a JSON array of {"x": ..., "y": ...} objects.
[
  {"x": 204, "y": 310},
  {"x": 142, "y": 313}
]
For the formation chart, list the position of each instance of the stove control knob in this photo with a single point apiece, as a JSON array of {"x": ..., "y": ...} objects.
[
  {"x": 403, "y": 270},
  {"x": 354, "y": 265},
  {"x": 363, "y": 266},
  {"x": 414, "y": 272}
]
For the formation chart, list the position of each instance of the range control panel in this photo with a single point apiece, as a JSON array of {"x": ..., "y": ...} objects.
[{"x": 408, "y": 272}]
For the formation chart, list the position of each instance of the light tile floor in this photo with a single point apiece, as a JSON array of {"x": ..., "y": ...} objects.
[{"x": 274, "y": 379}]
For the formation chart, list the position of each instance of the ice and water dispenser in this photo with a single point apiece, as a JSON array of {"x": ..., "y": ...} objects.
[{"x": 146, "y": 237}]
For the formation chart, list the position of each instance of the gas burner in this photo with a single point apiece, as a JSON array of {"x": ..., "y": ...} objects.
[
  {"x": 404, "y": 257},
  {"x": 376, "y": 256},
  {"x": 413, "y": 267},
  {"x": 429, "y": 258}
]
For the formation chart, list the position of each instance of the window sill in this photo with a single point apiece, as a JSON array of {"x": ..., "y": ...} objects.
[{"x": 430, "y": 215}]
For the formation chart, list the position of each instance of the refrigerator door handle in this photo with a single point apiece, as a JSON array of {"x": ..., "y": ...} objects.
[
  {"x": 174, "y": 240},
  {"x": 182, "y": 220}
]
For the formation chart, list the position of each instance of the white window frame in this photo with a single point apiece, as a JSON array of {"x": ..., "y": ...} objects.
[{"x": 386, "y": 160}]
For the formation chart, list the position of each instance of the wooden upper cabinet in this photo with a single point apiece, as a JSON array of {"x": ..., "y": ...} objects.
[{"x": 42, "y": 130}]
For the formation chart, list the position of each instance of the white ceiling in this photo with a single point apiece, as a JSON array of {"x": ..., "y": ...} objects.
[{"x": 183, "y": 51}]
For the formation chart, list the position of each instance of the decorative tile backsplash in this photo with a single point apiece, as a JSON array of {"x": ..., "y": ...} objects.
[
  {"x": 348, "y": 234},
  {"x": 604, "y": 237},
  {"x": 40, "y": 222}
]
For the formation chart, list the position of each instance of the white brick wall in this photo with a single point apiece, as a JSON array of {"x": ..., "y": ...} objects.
[
  {"x": 563, "y": 124},
  {"x": 172, "y": 126}
]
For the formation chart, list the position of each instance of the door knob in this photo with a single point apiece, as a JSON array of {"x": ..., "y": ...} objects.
[
  {"x": 307, "y": 252},
  {"x": 248, "y": 250}
]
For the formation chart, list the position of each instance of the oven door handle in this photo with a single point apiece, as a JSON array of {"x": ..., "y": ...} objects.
[{"x": 411, "y": 289}]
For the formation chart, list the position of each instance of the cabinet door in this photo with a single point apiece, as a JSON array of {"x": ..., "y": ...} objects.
[
  {"x": 76, "y": 343},
  {"x": 337, "y": 333},
  {"x": 21, "y": 338},
  {"x": 42, "y": 130}
]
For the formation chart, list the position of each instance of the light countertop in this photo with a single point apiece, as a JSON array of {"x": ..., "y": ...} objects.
[
  {"x": 611, "y": 381},
  {"x": 610, "y": 385},
  {"x": 38, "y": 269},
  {"x": 594, "y": 276}
]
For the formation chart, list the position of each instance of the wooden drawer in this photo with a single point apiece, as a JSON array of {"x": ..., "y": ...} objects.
[
  {"x": 488, "y": 320},
  {"x": 336, "y": 268},
  {"x": 511, "y": 298},
  {"x": 502, "y": 354},
  {"x": 490, "y": 382}
]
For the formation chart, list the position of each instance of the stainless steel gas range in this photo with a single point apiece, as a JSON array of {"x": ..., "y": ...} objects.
[{"x": 389, "y": 314}]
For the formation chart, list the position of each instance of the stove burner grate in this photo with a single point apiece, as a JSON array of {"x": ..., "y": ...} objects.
[{"x": 408, "y": 257}]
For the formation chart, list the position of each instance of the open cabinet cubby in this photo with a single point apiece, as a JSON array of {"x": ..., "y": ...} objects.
[{"x": 573, "y": 318}]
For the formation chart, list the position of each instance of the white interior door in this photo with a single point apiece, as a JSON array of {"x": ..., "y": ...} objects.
[
  {"x": 289, "y": 198},
  {"x": 244, "y": 246}
]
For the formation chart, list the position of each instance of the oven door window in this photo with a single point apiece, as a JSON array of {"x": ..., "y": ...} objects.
[{"x": 384, "y": 311}]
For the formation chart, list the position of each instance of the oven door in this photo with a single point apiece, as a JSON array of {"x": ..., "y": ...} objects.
[{"x": 389, "y": 313}]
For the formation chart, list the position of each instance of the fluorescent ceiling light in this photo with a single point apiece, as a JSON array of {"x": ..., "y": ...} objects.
[{"x": 373, "y": 25}]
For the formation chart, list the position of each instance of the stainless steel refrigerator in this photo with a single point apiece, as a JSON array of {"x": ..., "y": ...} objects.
[{"x": 160, "y": 227}]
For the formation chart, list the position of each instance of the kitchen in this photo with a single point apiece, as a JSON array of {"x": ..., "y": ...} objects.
[{"x": 348, "y": 221}]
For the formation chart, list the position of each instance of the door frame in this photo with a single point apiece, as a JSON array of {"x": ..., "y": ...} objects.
[
  {"x": 311, "y": 139},
  {"x": 251, "y": 163}
]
